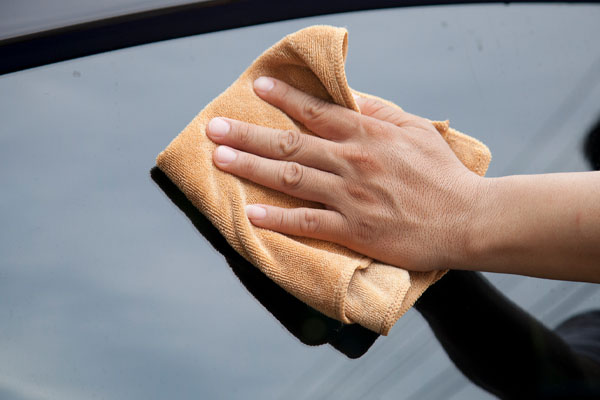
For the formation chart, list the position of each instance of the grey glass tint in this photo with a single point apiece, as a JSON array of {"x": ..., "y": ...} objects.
[{"x": 108, "y": 291}]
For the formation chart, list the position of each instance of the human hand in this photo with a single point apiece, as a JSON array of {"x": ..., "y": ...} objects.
[{"x": 391, "y": 186}]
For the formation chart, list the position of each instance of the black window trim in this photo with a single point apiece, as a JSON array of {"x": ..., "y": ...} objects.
[{"x": 79, "y": 40}]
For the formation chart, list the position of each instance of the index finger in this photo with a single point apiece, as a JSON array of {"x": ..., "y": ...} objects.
[{"x": 327, "y": 120}]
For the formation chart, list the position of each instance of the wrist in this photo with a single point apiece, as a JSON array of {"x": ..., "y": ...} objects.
[{"x": 480, "y": 225}]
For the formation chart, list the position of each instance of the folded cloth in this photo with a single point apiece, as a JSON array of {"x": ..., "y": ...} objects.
[{"x": 337, "y": 281}]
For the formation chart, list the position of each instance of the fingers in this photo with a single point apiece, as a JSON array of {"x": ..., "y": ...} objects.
[
  {"x": 308, "y": 222},
  {"x": 274, "y": 143},
  {"x": 379, "y": 110},
  {"x": 284, "y": 176},
  {"x": 327, "y": 120}
]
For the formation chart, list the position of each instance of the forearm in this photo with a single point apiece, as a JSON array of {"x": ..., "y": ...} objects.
[
  {"x": 499, "y": 346},
  {"x": 538, "y": 225}
]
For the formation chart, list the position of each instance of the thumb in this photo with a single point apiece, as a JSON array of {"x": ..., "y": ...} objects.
[{"x": 379, "y": 110}]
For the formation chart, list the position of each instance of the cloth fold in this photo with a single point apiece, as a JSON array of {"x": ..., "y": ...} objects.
[{"x": 337, "y": 281}]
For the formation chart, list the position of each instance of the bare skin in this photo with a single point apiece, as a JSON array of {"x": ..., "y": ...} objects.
[{"x": 394, "y": 190}]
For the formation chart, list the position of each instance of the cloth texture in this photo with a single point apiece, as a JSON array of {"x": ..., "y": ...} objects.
[{"x": 339, "y": 282}]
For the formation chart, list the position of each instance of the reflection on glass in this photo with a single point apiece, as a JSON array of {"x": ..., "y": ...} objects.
[{"x": 307, "y": 324}]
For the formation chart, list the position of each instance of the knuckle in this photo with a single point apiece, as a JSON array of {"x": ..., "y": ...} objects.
[
  {"x": 361, "y": 158},
  {"x": 314, "y": 108},
  {"x": 291, "y": 175},
  {"x": 289, "y": 143},
  {"x": 244, "y": 134},
  {"x": 359, "y": 193},
  {"x": 248, "y": 164},
  {"x": 357, "y": 155},
  {"x": 282, "y": 220},
  {"x": 309, "y": 222}
]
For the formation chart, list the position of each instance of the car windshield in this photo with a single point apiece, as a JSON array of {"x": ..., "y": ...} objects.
[{"x": 108, "y": 291}]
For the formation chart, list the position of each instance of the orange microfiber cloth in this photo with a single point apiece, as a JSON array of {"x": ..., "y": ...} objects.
[{"x": 337, "y": 281}]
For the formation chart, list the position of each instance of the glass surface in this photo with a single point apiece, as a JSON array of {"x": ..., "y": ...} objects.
[{"x": 108, "y": 291}]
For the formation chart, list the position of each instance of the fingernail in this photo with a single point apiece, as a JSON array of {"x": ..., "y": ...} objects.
[
  {"x": 225, "y": 155},
  {"x": 264, "y": 84},
  {"x": 218, "y": 127},
  {"x": 356, "y": 97},
  {"x": 255, "y": 212}
]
